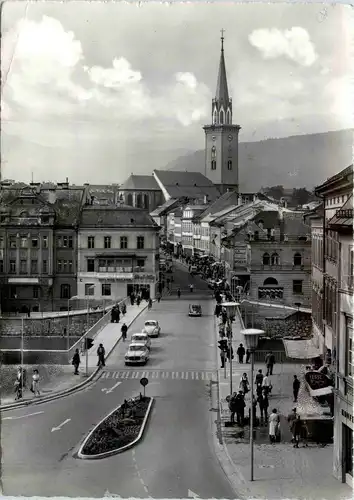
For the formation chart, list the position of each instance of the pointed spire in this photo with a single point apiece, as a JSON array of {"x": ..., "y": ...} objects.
[{"x": 222, "y": 92}]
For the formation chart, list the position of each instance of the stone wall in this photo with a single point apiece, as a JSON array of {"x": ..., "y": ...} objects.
[{"x": 46, "y": 327}]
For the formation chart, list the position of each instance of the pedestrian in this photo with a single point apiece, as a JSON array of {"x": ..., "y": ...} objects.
[
  {"x": 266, "y": 385},
  {"x": 248, "y": 355},
  {"x": 233, "y": 407},
  {"x": 244, "y": 384},
  {"x": 217, "y": 310},
  {"x": 224, "y": 315},
  {"x": 35, "y": 383},
  {"x": 76, "y": 362},
  {"x": 296, "y": 388},
  {"x": 273, "y": 425},
  {"x": 124, "y": 308},
  {"x": 191, "y": 287},
  {"x": 132, "y": 298},
  {"x": 240, "y": 353},
  {"x": 297, "y": 427},
  {"x": 138, "y": 300},
  {"x": 259, "y": 378},
  {"x": 150, "y": 304},
  {"x": 240, "y": 408},
  {"x": 179, "y": 293},
  {"x": 158, "y": 297},
  {"x": 19, "y": 383},
  {"x": 101, "y": 355},
  {"x": 124, "y": 330},
  {"x": 263, "y": 403},
  {"x": 291, "y": 419},
  {"x": 223, "y": 358},
  {"x": 270, "y": 362}
]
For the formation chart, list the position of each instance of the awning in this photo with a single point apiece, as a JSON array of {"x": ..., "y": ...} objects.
[{"x": 301, "y": 349}]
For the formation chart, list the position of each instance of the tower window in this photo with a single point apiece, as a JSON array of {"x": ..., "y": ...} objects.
[
  {"x": 214, "y": 117},
  {"x": 213, "y": 164},
  {"x": 222, "y": 116},
  {"x": 213, "y": 153},
  {"x": 228, "y": 117},
  {"x": 229, "y": 165}
]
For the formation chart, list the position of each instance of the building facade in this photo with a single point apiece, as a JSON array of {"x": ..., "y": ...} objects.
[
  {"x": 118, "y": 253},
  {"x": 334, "y": 259},
  {"x": 38, "y": 246}
]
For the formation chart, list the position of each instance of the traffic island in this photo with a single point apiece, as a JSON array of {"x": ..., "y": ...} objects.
[{"x": 122, "y": 429}]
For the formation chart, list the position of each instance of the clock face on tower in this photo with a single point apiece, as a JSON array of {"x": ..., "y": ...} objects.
[
  {"x": 230, "y": 138},
  {"x": 214, "y": 138}
]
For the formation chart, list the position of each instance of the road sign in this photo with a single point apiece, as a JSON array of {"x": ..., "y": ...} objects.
[{"x": 144, "y": 382}]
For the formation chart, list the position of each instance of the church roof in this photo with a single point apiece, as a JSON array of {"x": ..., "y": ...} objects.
[
  {"x": 186, "y": 184},
  {"x": 222, "y": 92},
  {"x": 140, "y": 183}
]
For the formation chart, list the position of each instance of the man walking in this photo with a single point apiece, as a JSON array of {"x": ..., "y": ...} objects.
[
  {"x": 270, "y": 361},
  {"x": 248, "y": 355},
  {"x": 76, "y": 362},
  {"x": 240, "y": 353},
  {"x": 101, "y": 355},
  {"x": 124, "y": 330},
  {"x": 296, "y": 388}
]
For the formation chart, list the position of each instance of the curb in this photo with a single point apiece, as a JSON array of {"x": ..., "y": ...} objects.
[
  {"x": 238, "y": 482},
  {"x": 117, "y": 450},
  {"x": 71, "y": 390}
]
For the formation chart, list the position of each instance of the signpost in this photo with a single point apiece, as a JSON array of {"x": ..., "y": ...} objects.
[{"x": 144, "y": 382}]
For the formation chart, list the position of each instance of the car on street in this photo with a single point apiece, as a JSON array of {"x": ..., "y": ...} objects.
[
  {"x": 137, "y": 354},
  {"x": 195, "y": 310},
  {"x": 152, "y": 328},
  {"x": 141, "y": 338},
  {"x": 194, "y": 270}
]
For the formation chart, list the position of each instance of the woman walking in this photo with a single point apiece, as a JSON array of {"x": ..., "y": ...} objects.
[
  {"x": 273, "y": 425},
  {"x": 244, "y": 384},
  {"x": 35, "y": 383}
]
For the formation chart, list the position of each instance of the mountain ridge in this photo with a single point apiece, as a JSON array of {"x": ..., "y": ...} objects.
[{"x": 294, "y": 161}]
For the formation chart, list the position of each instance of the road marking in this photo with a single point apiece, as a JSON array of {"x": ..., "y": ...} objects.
[
  {"x": 163, "y": 374},
  {"x": 111, "y": 495},
  {"x": 191, "y": 494},
  {"x": 112, "y": 388},
  {"x": 61, "y": 425},
  {"x": 22, "y": 416}
]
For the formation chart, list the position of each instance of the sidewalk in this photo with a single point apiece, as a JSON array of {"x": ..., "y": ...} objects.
[
  {"x": 280, "y": 471},
  {"x": 57, "y": 378}
]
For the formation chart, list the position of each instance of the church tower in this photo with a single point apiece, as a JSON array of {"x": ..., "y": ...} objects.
[{"x": 221, "y": 138}]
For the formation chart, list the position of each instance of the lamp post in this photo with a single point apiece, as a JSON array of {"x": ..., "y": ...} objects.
[
  {"x": 87, "y": 321},
  {"x": 251, "y": 336},
  {"x": 231, "y": 308},
  {"x": 68, "y": 323}
]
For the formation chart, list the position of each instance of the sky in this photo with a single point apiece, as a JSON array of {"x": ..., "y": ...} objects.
[{"x": 94, "y": 91}]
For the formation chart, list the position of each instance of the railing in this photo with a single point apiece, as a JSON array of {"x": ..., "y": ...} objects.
[
  {"x": 275, "y": 267},
  {"x": 115, "y": 269}
]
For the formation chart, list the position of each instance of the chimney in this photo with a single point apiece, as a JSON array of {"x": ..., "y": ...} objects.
[
  {"x": 281, "y": 224},
  {"x": 239, "y": 199}
]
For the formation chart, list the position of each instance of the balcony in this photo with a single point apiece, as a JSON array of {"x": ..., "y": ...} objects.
[{"x": 280, "y": 267}]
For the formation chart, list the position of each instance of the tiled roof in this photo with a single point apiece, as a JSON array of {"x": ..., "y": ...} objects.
[
  {"x": 223, "y": 201},
  {"x": 189, "y": 184},
  {"x": 335, "y": 178},
  {"x": 164, "y": 209},
  {"x": 140, "y": 183},
  {"x": 102, "y": 216},
  {"x": 295, "y": 227},
  {"x": 103, "y": 194},
  {"x": 343, "y": 216}
]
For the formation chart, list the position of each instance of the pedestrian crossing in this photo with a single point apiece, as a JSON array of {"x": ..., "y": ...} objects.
[{"x": 164, "y": 375}]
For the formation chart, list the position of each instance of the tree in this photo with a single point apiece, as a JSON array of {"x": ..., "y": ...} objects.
[
  {"x": 301, "y": 196},
  {"x": 275, "y": 192}
]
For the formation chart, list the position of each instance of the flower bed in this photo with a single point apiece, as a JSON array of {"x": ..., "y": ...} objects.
[{"x": 121, "y": 428}]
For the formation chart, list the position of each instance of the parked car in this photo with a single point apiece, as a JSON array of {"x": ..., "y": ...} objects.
[
  {"x": 137, "y": 353},
  {"x": 195, "y": 310},
  {"x": 194, "y": 270},
  {"x": 141, "y": 338},
  {"x": 152, "y": 328}
]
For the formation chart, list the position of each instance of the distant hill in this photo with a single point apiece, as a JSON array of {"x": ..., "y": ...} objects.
[{"x": 296, "y": 161}]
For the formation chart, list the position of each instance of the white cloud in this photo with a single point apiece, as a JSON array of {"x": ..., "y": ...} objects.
[
  {"x": 120, "y": 74},
  {"x": 295, "y": 44}
]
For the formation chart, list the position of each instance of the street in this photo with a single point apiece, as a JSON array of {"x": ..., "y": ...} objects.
[{"x": 176, "y": 457}]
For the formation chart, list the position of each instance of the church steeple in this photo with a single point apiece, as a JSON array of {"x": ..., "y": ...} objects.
[{"x": 222, "y": 104}]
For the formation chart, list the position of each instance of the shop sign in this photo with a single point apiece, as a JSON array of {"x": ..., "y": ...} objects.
[
  {"x": 116, "y": 277},
  {"x": 348, "y": 416},
  {"x": 241, "y": 256},
  {"x": 317, "y": 380}
]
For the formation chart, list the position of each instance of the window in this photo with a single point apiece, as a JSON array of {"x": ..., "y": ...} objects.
[
  {"x": 12, "y": 266},
  {"x": 1, "y": 266},
  {"x": 12, "y": 241},
  {"x": 90, "y": 242},
  {"x": 139, "y": 201},
  {"x": 70, "y": 264},
  {"x": 107, "y": 242},
  {"x": 351, "y": 268},
  {"x": 213, "y": 164},
  {"x": 130, "y": 200},
  {"x": 35, "y": 292},
  {"x": 65, "y": 241},
  {"x": 65, "y": 291},
  {"x": 297, "y": 287},
  {"x": 34, "y": 266},
  {"x": 349, "y": 338},
  {"x": 213, "y": 153},
  {"x": 140, "y": 262},
  {"x": 229, "y": 165},
  {"x": 89, "y": 289},
  {"x": 297, "y": 259},
  {"x": 90, "y": 265},
  {"x": 266, "y": 259},
  {"x": 23, "y": 266},
  {"x": 44, "y": 267},
  {"x": 106, "y": 289},
  {"x": 146, "y": 201},
  {"x": 45, "y": 242},
  {"x": 23, "y": 242},
  {"x": 140, "y": 242},
  {"x": 34, "y": 242},
  {"x": 59, "y": 266},
  {"x": 123, "y": 242},
  {"x": 1, "y": 242},
  {"x": 275, "y": 259},
  {"x": 222, "y": 117}
]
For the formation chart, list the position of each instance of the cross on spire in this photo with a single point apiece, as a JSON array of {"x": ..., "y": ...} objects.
[{"x": 222, "y": 38}]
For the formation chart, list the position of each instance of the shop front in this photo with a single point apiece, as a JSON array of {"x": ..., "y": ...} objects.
[{"x": 343, "y": 441}]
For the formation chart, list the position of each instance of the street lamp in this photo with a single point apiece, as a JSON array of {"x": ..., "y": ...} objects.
[
  {"x": 91, "y": 287},
  {"x": 251, "y": 336},
  {"x": 231, "y": 309},
  {"x": 68, "y": 323}
]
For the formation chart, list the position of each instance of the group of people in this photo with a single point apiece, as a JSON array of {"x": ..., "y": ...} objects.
[{"x": 21, "y": 381}]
